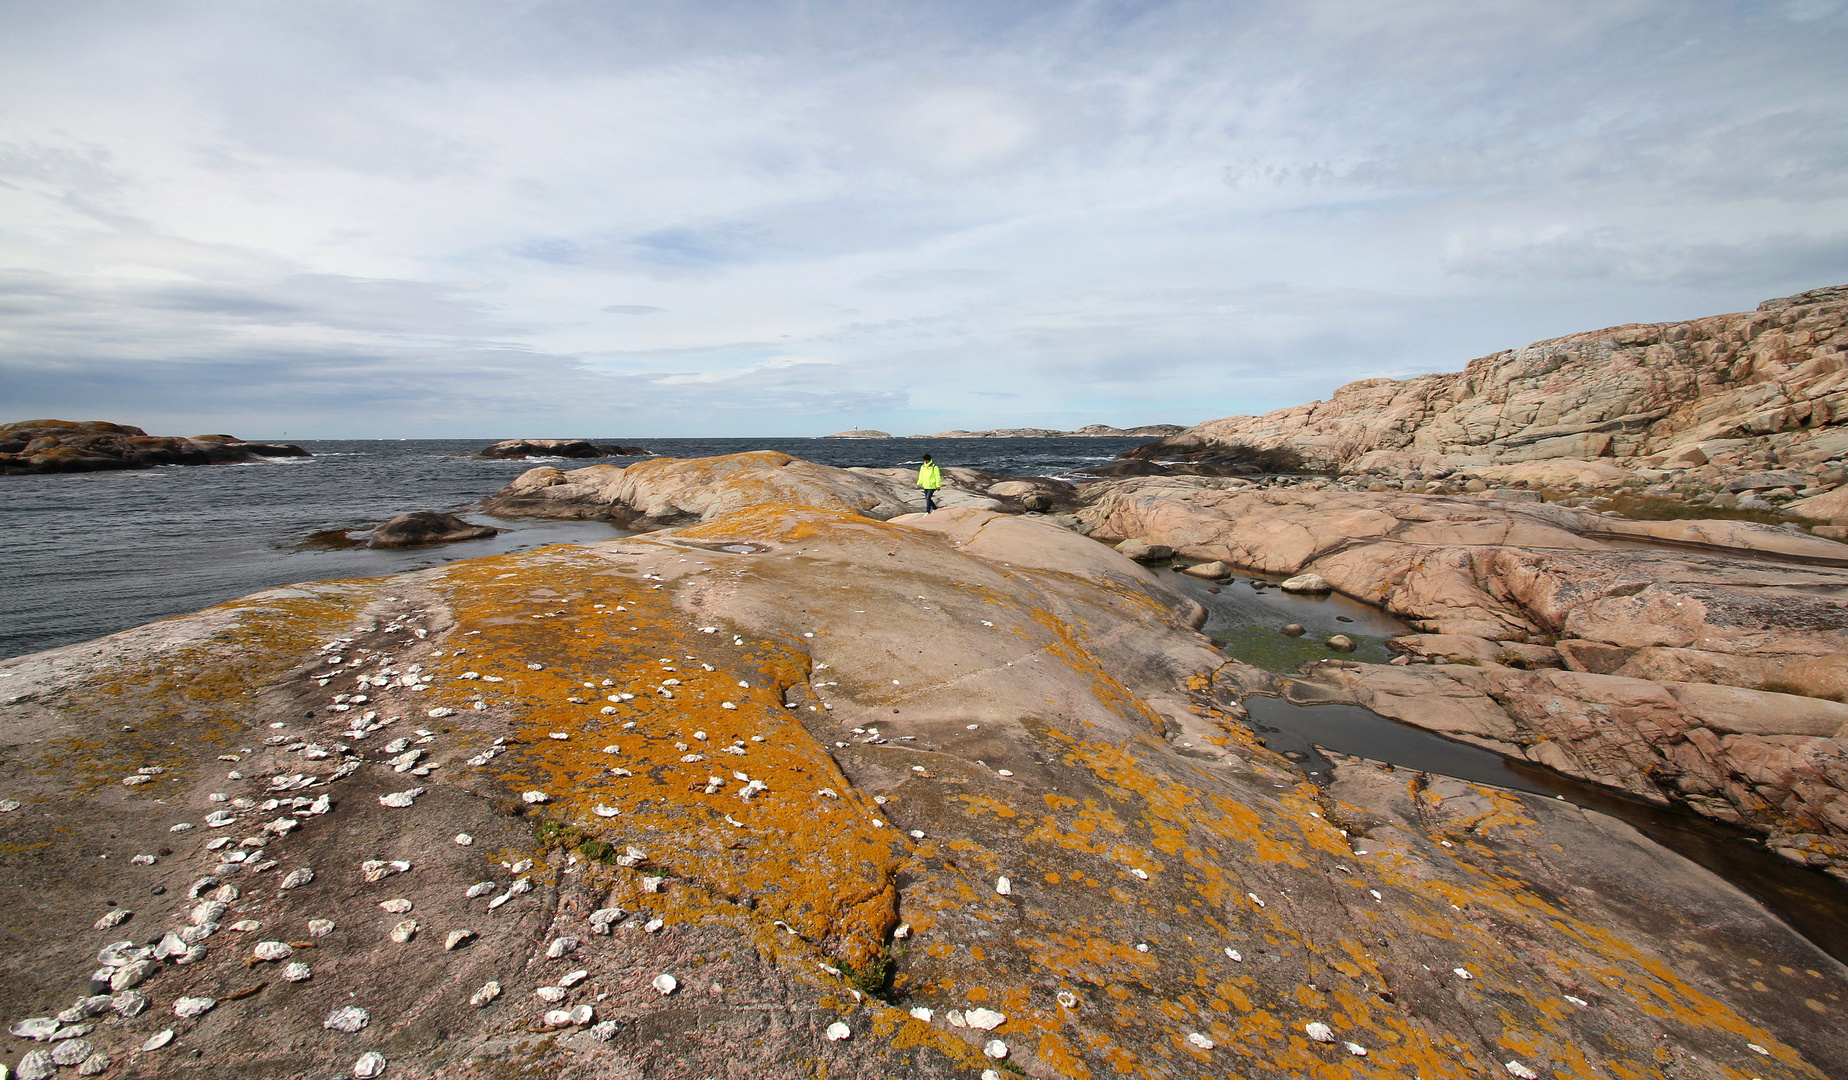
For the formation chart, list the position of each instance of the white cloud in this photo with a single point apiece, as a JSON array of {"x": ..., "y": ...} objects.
[{"x": 928, "y": 216}]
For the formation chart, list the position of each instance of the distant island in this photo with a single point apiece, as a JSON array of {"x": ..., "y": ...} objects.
[{"x": 1089, "y": 431}]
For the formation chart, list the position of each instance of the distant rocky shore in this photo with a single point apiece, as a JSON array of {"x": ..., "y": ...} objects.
[
  {"x": 66, "y": 446},
  {"x": 1089, "y": 431}
]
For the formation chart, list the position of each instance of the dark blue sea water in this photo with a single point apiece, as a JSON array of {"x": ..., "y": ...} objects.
[{"x": 87, "y": 554}]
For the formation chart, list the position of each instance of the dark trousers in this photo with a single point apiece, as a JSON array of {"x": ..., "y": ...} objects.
[{"x": 930, "y": 499}]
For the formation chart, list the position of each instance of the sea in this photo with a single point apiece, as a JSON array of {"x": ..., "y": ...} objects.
[{"x": 87, "y": 554}]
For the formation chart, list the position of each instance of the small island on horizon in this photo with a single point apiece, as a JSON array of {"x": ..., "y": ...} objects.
[{"x": 1089, "y": 431}]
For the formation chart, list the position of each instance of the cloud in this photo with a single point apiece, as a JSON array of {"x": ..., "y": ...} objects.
[{"x": 369, "y": 219}]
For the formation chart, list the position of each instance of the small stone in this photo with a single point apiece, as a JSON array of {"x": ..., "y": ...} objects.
[
  {"x": 533, "y": 798},
  {"x": 1004, "y": 887},
  {"x": 604, "y": 1030},
  {"x": 1341, "y": 643},
  {"x": 245, "y": 926},
  {"x": 1292, "y": 630},
  {"x": 1200, "y": 1040},
  {"x": 1462, "y": 973},
  {"x": 838, "y": 1031},
  {"x": 551, "y": 994},
  {"x": 557, "y": 1017},
  {"x": 347, "y": 1018},
  {"x": 297, "y": 972},
  {"x": 319, "y": 928},
  {"x": 295, "y": 879},
  {"x": 1319, "y": 1031},
  {"x": 665, "y": 984},
  {"x": 157, "y": 1040},
  {"x": 188, "y": 1007},
  {"x": 456, "y": 939},
  {"x": 583, "y": 1014},
  {"x": 70, "y": 1052},
  {"x": 370, "y": 1064},
  {"x": 1139, "y": 872},
  {"x": 984, "y": 1019},
  {"x": 919, "y": 1012},
  {"x": 94, "y": 1065},
  {"x": 1515, "y": 1068},
  {"x": 400, "y": 799},
  {"x": 479, "y": 889},
  {"x": 399, "y": 906},
  {"x": 129, "y": 1004},
  {"x": 995, "y": 1049},
  {"x": 559, "y": 947},
  {"x": 404, "y": 931},
  {"x": 488, "y": 992},
  {"x": 464, "y": 839},
  {"x": 1355, "y": 1048}
]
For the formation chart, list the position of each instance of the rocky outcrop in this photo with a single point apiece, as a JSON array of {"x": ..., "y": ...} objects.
[
  {"x": 1699, "y": 601},
  {"x": 421, "y": 528},
  {"x": 518, "y": 449},
  {"x": 1734, "y": 391},
  {"x": 672, "y": 491},
  {"x": 805, "y": 790},
  {"x": 58, "y": 446},
  {"x": 859, "y": 433}
]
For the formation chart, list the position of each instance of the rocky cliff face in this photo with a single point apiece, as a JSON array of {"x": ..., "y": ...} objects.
[{"x": 1764, "y": 387}]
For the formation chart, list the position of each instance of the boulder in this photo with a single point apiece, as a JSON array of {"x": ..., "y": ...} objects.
[
  {"x": 422, "y": 527},
  {"x": 1340, "y": 643},
  {"x": 1212, "y": 571},
  {"x": 1306, "y": 583},
  {"x": 1825, "y": 507},
  {"x": 1142, "y": 552}
]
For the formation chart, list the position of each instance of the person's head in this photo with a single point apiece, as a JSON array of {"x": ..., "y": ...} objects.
[{"x": 927, "y": 457}]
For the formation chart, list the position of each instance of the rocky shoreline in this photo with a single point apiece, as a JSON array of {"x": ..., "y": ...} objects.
[
  {"x": 64, "y": 446},
  {"x": 919, "y": 796},
  {"x": 881, "y": 793}
]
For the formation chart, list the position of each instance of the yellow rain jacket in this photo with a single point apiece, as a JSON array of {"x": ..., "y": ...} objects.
[{"x": 929, "y": 476}]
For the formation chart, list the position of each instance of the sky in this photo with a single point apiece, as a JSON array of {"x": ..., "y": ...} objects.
[{"x": 543, "y": 218}]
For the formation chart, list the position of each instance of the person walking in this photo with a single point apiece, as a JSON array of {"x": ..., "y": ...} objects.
[{"x": 930, "y": 478}]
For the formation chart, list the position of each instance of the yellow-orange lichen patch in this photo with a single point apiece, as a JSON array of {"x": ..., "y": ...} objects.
[{"x": 804, "y": 846}]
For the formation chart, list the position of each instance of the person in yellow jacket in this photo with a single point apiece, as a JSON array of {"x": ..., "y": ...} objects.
[{"x": 930, "y": 478}]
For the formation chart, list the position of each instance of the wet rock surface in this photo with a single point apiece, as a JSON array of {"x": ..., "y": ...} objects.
[
  {"x": 60, "y": 446},
  {"x": 423, "y": 527},
  {"x": 788, "y": 755}
]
